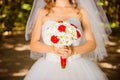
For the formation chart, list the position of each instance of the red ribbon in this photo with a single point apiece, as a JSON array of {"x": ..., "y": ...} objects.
[{"x": 63, "y": 62}]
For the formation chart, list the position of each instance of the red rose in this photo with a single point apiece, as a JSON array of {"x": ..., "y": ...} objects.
[
  {"x": 62, "y": 28},
  {"x": 73, "y": 25},
  {"x": 54, "y": 39},
  {"x": 78, "y": 34},
  {"x": 60, "y": 21}
]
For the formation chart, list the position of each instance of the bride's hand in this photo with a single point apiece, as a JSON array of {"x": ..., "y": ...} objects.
[{"x": 65, "y": 52}]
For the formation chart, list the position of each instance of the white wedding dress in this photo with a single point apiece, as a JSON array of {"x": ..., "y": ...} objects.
[{"x": 77, "y": 68}]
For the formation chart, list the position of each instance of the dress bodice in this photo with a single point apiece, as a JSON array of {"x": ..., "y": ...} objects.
[{"x": 74, "y": 21}]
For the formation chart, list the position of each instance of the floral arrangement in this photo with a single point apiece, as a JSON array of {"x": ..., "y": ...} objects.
[{"x": 62, "y": 33}]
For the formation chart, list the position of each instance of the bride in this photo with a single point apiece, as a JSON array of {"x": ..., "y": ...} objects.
[{"x": 81, "y": 55}]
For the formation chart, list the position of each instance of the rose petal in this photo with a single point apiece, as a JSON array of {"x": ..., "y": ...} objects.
[
  {"x": 54, "y": 39},
  {"x": 78, "y": 34},
  {"x": 62, "y": 28},
  {"x": 73, "y": 25},
  {"x": 60, "y": 21}
]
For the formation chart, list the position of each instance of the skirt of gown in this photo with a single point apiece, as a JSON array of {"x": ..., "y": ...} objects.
[{"x": 77, "y": 68}]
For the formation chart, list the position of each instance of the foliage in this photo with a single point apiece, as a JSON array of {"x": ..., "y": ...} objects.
[
  {"x": 111, "y": 8},
  {"x": 14, "y": 13}
]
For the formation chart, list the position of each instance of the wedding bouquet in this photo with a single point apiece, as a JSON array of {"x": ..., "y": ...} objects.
[{"x": 61, "y": 34}]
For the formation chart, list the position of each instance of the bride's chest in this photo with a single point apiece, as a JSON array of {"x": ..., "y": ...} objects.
[{"x": 56, "y": 16}]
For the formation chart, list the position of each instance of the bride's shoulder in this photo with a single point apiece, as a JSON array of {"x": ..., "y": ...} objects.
[
  {"x": 41, "y": 14},
  {"x": 82, "y": 10},
  {"x": 42, "y": 11}
]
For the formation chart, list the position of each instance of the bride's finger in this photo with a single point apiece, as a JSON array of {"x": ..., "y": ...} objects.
[{"x": 63, "y": 52}]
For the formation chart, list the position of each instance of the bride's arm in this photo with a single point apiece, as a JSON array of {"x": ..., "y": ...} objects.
[
  {"x": 90, "y": 43},
  {"x": 35, "y": 43}
]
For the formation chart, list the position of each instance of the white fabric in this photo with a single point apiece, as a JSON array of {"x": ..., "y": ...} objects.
[
  {"x": 77, "y": 68},
  {"x": 97, "y": 18}
]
